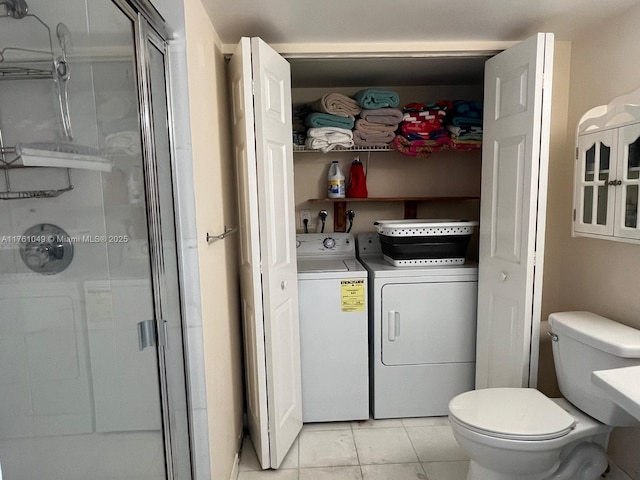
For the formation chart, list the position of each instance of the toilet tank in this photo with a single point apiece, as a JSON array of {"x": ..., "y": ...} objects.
[{"x": 584, "y": 342}]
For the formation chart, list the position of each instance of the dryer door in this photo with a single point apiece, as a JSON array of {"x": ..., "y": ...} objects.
[{"x": 429, "y": 322}]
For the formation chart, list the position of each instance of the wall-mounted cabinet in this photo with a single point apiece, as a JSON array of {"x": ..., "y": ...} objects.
[{"x": 607, "y": 172}]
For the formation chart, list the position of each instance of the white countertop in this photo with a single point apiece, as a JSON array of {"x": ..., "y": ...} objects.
[{"x": 623, "y": 385}]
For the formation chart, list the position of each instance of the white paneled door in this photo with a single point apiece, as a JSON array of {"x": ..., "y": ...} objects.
[
  {"x": 261, "y": 94},
  {"x": 515, "y": 154}
]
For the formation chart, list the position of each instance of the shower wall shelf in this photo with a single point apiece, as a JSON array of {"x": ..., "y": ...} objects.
[
  {"x": 14, "y": 164},
  {"x": 22, "y": 63},
  {"x": 48, "y": 156},
  {"x": 9, "y": 194},
  {"x": 17, "y": 63}
]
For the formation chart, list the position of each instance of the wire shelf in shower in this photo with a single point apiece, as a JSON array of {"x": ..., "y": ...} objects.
[
  {"x": 10, "y": 194},
  {"x": 48, "y": 155},
  {"x": 19, "y": 63},
  {"x": 30, "y": 61},
  {"x": 26, "y": 62}
]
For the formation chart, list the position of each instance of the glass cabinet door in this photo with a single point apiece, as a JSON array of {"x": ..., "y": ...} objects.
[
  {"x": 628, "y": 182},
  {"x": 595, "y": 193}
]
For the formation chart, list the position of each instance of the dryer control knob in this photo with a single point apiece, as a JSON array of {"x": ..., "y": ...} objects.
[{"x": 329, "y": 242}]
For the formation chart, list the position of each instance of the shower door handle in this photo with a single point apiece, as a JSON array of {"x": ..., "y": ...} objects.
[{"x": 149, "y": 336}]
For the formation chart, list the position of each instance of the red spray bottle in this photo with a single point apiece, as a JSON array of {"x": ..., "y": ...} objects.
[{"x": 357, "y": 187}]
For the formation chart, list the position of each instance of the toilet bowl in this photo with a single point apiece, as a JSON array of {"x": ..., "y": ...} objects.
[{"x": 520, "y": 434}]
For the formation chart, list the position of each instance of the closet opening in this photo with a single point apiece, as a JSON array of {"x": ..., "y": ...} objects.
[{"x": 444, "y": 185}]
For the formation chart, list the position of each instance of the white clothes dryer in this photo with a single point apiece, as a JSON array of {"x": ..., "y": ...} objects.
[
  {"x": 332, "y": 292},
  {"x": 422, "y": 333}
]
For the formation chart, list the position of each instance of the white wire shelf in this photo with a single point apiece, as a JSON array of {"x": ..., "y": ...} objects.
[{"x": 303, "y": 149}]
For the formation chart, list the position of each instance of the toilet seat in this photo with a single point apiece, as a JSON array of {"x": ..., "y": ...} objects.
[{"x": 511, "y": 413}]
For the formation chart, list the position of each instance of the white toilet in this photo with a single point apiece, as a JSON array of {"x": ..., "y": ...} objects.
[{"x": 520, "y": 434}]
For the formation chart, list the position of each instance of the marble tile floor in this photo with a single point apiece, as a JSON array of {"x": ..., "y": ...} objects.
[{"x": 394, "y": 449}]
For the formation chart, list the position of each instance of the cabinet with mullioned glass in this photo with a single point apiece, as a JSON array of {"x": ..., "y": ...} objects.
[{"x": 608, "y": 177}]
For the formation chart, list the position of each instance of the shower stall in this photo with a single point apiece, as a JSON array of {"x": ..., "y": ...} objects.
[{"x": 92, "y": 369}]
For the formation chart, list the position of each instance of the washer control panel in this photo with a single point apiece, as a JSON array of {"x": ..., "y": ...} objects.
[{"x": 334, "y": 243}]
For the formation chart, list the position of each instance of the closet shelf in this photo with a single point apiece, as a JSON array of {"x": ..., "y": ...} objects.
[
  {"x": 410, "y": 205},
  {"x": 454, "y": 147},
  {"x": 394, "y": 199},
  {"x": 303, "y": 149}
]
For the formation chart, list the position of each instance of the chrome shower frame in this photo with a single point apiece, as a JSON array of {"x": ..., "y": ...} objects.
[{"x": 151, "y": 28}]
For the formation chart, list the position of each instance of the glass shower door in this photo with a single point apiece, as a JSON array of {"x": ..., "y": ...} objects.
[{"x": 91, "y": 361}]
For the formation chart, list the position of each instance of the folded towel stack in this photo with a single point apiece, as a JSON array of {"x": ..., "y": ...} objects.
[
  {"x": 370, "y": 118},
  {"x": 426, "y": 128},
  {"x": 423, "y": 125},
  {"x": 420, "y": 148},
  {"x": 421, "y": 130},
  {"x": 464, "y": 123},
  {"x": 327, "y": 138},
  {"x": 318, "y": 119},
  {"x": 330, "y": 120},
  {"x": 337, "y": 104},
  {"x": 372, "y": 98},
  {"x": 376, "y": 127}
]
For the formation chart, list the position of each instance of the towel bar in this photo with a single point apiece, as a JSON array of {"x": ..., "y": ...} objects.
[{"x": 222, "y": 236}]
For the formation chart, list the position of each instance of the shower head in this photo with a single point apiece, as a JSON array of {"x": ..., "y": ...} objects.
[{"x": 15, "y": 8}]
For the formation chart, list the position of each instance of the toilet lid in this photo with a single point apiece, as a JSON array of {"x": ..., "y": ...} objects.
[{"x": 511, "y": 413}]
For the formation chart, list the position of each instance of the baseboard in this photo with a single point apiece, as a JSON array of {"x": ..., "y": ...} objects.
[{"x": 616, "y": 473}]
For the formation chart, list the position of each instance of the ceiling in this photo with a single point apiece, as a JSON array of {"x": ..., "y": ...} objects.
[
  {"x": 346, "y": 21},
  {"x": 98, "y": 24}
]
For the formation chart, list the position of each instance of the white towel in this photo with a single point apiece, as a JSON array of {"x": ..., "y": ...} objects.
[{"x": 327, "y": 138}]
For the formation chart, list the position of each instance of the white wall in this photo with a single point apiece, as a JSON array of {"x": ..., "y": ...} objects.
[
  {"x": 590, "y": 274},
  {"x": 215, "y": 206},
  {"x": 206, "y": 198}
]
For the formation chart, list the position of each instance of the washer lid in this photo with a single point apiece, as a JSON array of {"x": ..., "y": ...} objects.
[
  {"x": 511, "y": 413},
  {"x": 324, "y": 265}
]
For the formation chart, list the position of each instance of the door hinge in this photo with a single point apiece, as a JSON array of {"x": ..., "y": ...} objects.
[
  {"x": 253, "y": 87},
  {"x": 576, "y": 153},
  {"x": 574, "y": 214}
]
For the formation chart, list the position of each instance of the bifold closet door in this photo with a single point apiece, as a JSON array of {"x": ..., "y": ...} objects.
[
  {"x": 261, "y": 95},
  {"x": 512, "y": 212}
]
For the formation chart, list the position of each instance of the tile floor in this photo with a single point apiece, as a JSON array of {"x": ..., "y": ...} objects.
[{"x": 395, "y": 449}]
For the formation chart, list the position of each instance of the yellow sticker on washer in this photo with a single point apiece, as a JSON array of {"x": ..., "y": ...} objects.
[{"x": 353, "y": 295}]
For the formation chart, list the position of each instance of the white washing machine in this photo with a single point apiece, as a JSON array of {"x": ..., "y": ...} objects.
[
  {"x": 422, "y": 333},
  {"x": 334, "y": 352}
]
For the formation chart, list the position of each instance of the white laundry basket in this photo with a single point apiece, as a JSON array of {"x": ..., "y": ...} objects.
[{"x": 425, "y": 241}]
